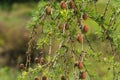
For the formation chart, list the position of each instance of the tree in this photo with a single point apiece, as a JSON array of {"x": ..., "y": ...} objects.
[{"x": 70, "y": 51}]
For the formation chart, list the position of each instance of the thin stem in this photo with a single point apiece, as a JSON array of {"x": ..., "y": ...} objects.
[
  {"x": 114, "y": 53},
  {"x": 82, "y": 44},
  {"x": 111, "y": 19},
  {"x": 87, "y": 70},
  {"x": 117, "y": 16},
  {"x": 60, "y": 46},
  {"x": 89, "y": 44},
  {"x": 50, "y": 46},
  {"x": 31, "y": 45},
  {"x": 95, "y": 7},
  {"x": 106, "y": 9}
]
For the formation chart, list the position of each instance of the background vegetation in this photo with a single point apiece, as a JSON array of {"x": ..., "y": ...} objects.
[{"x": 14, "y": 36}]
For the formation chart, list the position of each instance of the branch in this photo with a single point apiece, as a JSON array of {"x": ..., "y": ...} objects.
[
  {"x": 106, "y": 9},
  {"x": 31, "y": 46},
  {"x": 50, "y": 46},
  {"x": 89, "y": 44}
]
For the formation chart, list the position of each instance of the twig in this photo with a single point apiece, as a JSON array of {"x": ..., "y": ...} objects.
[
  {"x": 116, "y": 26},
  {"x": 87, "y": 70},
  {"x": 74, "y": 57},
  {"x": 89, "y": 44},
  {"x": 115, "y": 18},
  {"x": 53, "y": 61},
  {"x": 32, "y": 42},
  {"x": 106, "y": 9},
  {"x": 113, "y": 51},
  {"x": 95, "y": 7},
  {"x": 31, "y": 45},
  {"x": 50, "y": 46},
  {"x": 111, "y": 19}
]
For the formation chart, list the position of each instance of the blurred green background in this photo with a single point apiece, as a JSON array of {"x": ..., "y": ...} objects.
[
  {"x": 14, "y": 35},
  {"x": 14, "y": 16}
]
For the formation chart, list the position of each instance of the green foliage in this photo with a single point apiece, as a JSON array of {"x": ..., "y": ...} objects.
[
  {"x": 7, "y": 73},
  {"x": 60, "y": 61},
  {"x": 117, "y": 42},
  {"x": 25, "y": 75}
]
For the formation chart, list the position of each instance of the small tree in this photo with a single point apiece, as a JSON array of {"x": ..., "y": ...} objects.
[{"x": 63, "y": 30}]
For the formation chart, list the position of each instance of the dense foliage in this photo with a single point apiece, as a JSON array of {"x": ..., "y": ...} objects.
[{"x": 70, "y": 47}]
